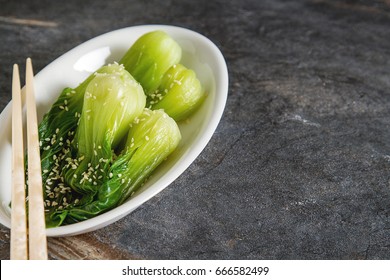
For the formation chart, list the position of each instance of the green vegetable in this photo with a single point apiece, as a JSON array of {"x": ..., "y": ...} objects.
[
  {"x": 99, "y": 143},
  {"x": 111, "y": 102},
  {"x": 56, "y": 133},
  {"x": 179, "y": 94},
  {"x": 152, "y": 137},
  {"x": 154, "y": 61},
  {"x": 80, "y": 133},
  {"x": 150, "y": 57}
]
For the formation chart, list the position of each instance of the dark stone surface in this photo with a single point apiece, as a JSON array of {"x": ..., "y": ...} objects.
[{"x": 299, "y": 167}]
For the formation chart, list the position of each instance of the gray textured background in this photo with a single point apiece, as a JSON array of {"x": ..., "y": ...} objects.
[{"x": 299, "y": 166}]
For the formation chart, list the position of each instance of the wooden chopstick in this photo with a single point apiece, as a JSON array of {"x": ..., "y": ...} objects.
[
  {"x": 18, "y": 198},
  {"x": 36, "y": 213},
  {"x": 37, "y": 243}
]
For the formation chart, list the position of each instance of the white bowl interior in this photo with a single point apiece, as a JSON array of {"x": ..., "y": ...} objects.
[{"x": 199, "y": 54}]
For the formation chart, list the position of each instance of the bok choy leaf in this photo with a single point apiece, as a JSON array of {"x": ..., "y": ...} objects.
[
  {"x": 152, "y": 137},
  {"x": 180, "y": 93},
  {"x": 150, "y": 57},
  {"x": 111, "y": 102}
]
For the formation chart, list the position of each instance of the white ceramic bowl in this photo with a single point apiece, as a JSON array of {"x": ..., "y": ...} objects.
[{"x": 199, "y": 54}]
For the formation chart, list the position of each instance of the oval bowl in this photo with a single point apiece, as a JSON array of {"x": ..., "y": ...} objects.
[{"x": 199, "y": 54}]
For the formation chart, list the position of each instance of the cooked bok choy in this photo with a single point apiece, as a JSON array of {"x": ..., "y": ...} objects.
[
  {"x": 150, "y": 57},
  {"x": 179, "y": 93},
  {"x": 56, "y": 133},
  {"x": 111, "y": 102},
  {"x": 152, "y": 137},
  {"x": 101, "y": 140},
  {"x": 154, "y": 61}
]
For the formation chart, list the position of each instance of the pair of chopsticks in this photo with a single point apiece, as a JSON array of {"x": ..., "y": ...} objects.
[{"x": 28, "y": 236}]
